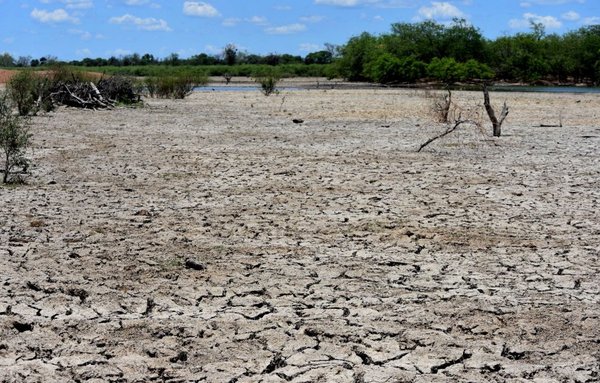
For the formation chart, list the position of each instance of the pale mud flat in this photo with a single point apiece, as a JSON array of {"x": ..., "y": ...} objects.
[{"x": 214, "y": 240}]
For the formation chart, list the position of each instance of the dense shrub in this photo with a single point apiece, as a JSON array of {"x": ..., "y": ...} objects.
[
  {"x": 14, "y": 141},
  {"x": 387, "y": 69},
  {"x": 23, "y": 89},
  {"x": 177, "y": 86}
]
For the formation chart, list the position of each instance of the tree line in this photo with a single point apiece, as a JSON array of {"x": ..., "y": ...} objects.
[
  {"x": 455, "y": 52},
  {"x": 229, "y": 56},
  {"x": 410, "y": 52}
]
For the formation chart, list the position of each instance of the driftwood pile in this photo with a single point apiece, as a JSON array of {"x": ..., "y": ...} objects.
[{"x": 105, "y": 94}]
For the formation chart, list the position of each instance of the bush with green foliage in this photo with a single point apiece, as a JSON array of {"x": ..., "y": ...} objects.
[
  {"x": 388, "y": 69},
  {"x": 445, "y": 70},
  {"x": 268, "y": 84},
  {"x": 14, "y": 141},
  {"x": 23, "y": 89},
  {"x": 175, "y": 87}
]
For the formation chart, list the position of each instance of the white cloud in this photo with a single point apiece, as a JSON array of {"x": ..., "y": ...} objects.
[
  {"x": 258, "y": 20},
  {"x": 338, "y": 3},
  {"x": 137, "y": 3},
  {"x": 8, "y": 40},
  {"x": 286, "y": 29},
  {"x": 56, "y": 16},
  {"x": 375, "y": 3},
  {"x": 78, "y": 4},
  {"x": 307, "y": 47},
  {"x": 591, "y": 20},
  {"x": 551, "y": 2},
  {"x": 193, "y": 8},
  {"x": 211, "y": 49},
  {"x": 571, "y": 16},
  {"x": 549, "y": 22},
  {"x": 85, "y": 52},
  {"x": 72, "y": 4},
  {"x": 147, "y": 24},
  {"x": 120, "y": 52},
  {"x": 312, "y": 19},
  {"x": 84, "y": 35},
  {"x": 440, "y": 10},
  {"x": 231, "y": 22}
]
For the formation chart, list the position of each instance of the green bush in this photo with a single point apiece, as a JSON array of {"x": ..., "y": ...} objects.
[
  {"x": 446, "y": 70},
  {"x": 473, "y": 69},
  {"x": 175, "y": 87},
  {"x": 14, "y": 141},
  {"x": 22, "y": 89},
  {"x": 268, "y": 84},
  {"x": 388, "y": 69}
]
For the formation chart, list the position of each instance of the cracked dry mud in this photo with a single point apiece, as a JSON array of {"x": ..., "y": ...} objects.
[{"x": 214, "y": 240}]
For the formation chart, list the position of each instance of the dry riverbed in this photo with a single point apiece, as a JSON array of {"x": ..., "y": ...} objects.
[{"x": 215, "y": 240}]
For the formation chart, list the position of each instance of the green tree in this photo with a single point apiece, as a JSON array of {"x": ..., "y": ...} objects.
[
  {"x": 388, "y": 69},
  {"x": 355, "y": 54},
  {"x": 463, "y": 42},
  {"x": 424, "y": 41},
  {"x": 320, "y": 57},
  {"x": 446, "y": 70},
  {"x": 230, "y": 54},
  {"x": 6, "y": 60},
  {"x": 473, "y": 69}
]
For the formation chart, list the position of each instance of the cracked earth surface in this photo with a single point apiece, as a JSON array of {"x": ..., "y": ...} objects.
[{"x": 214, "y": 240}]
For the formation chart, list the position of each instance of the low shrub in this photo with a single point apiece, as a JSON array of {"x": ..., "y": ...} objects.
[
  {"x": 268, "y": 83},
  {"x": 175, "y": 87}
]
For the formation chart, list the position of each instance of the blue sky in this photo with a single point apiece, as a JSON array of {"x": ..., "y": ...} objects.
[{"x": 73, "y": 29}]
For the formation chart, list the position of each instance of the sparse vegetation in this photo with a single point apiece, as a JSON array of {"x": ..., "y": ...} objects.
[
  {"x": 441, "y": 105},
  {"x": 268, "y": 83},
  {"x": 14, "y": 141},
  {"x": 176, "y": 86}
]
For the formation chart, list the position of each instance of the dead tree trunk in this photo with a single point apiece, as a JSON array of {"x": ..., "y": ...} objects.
[
  {"x": 441, "y": 107},
  {"x": 496, "y": 123}
]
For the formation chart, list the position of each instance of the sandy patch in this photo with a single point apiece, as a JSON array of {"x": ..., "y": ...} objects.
[
  {"x": 212, "y": 239},
  {"x": 5, "y": 75}
]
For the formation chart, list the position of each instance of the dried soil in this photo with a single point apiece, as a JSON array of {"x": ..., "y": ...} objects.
[{"x": 215, "y": 240}]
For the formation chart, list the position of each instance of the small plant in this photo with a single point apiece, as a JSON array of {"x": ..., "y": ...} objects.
[
  {"x": 14, "y": 141},
  {"x": 268, "y": 84}
]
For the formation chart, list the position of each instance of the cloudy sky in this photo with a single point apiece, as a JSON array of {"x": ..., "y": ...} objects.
[{"x": 73, "y": 29}]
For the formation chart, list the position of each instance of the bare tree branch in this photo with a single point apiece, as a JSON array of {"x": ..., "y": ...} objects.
[{"x": 450, "y": 129}]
